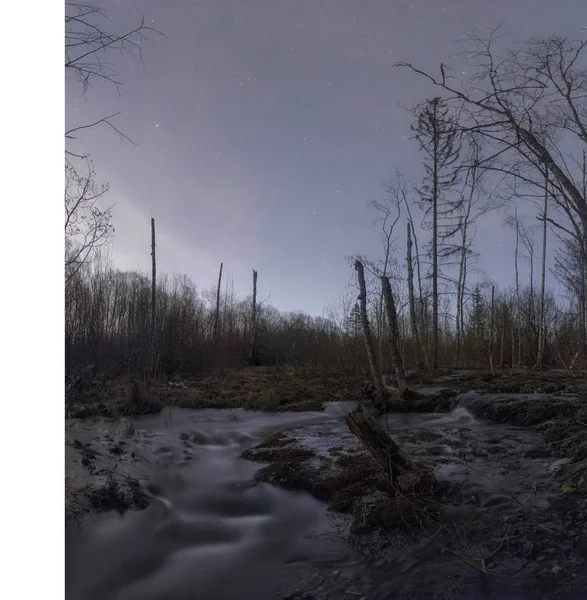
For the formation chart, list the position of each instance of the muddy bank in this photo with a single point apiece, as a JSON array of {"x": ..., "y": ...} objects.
[
  {"x": 327, "y": 461},
  {"x": 510, "y": 521},
  {"x": 562, "y": 418},
  {"x": 102, "y": 473}
]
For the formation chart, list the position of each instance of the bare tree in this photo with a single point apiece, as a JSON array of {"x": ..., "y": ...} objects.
[
  {"x": 423, "y": 331},
  {"x": 570, "y": 269},
  {"x": 475, "y": 203},
  {"x": 88, "y": 226},
  {"x": 380, "y": 391},
  {"x": 542, "y": 308},
  {"x": 90, "y": 47},
  {"x": 399, "y": 193},
  {"x": 522, "y": 101},
  {"x": 254, "y": 323},
  {"x": 89, "y": 51},
  {"x": 393, "y": 334},
  {"x": 437, "y": 134},
  {"x": 491, "y": 327},
  {"x": 529, "y": 104},
  {"x": 217, "y": 312},
  {"x": 411, "y": 299},
  {"x": 525, "y": 234},
  {"x": 153, "y": 297},
  {"x": 516, "y": 254},
  {"x": 389, "y": 211}
]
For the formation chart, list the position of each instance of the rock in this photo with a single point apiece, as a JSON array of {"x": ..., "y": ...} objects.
[
  {"x": 557, "y": 465},
  {"x": 556, "y": 569}
]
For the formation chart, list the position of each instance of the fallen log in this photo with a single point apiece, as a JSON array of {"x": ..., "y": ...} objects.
[{"x": 404, "y": 476}]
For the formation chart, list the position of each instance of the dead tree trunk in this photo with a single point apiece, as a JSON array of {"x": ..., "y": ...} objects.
[
  {"x": 503, "y": 334},
  {"x": 216, "y": 333},
  {"x": 380, "y": 329},
  {"x": 412, "y": 301},
  {"x": 491, "y": 327},
  {"x": 153, "y": 300},
  {"x": 404, "y": 476},
  {"x": 253, "y": 347},
  {"x": 461, "y": 284},
  {"x": 424, "y": 328},
  {"x": 380, "y": 391},
  {"x": 393, "y": 335},
  {"x": 513, "y": 334},
  {"x": 542, "y": 318},
  {"x": 217, "y": 313},
  {"x": 435, "y": 273},
  {"x": 518, "y": 302}
]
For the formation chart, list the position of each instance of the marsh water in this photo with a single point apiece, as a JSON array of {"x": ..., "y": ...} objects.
[{"x": 213, "y": 532}]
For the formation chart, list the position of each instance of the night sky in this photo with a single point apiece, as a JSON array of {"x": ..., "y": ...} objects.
[{"x": 264, "y": 127}]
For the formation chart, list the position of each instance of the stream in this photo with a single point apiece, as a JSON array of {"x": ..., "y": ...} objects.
[{"x": 212, "y": 532}]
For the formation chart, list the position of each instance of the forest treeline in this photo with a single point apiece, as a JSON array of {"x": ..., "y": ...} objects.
[{"x": 108, "y": 324}]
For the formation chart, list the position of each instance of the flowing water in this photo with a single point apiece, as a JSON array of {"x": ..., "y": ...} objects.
[{"x": 212, "y": 532}]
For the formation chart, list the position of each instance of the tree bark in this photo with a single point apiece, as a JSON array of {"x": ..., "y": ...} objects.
[
  {"x": 380, "y": 391},
  {"x": 491, "y": 327},
  {"x": 513, "y": 334},
  {"x": 380, "y": 329},
  {"x": 393, "y": 335},
  {"x": 583, "y": 310},
  {"x": 412, "y": 301},
  {"x": 153, "y": 299},
  {"x": 503, "y": 335},
  {"x": 542, "y": 317},
  {"x": 253, "y": 347},
  {"x": 518, "y": 306},
  {"x": 217, "y": 312},
  {"x": 435, "y": 263},
  {"x": 424, "y": 333}
]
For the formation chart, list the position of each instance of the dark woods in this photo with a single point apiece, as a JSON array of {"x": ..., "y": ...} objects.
[{"x": 108, "y": 323}]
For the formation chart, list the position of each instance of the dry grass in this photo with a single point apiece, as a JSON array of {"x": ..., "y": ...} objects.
[{"x": 252, "y": 388}]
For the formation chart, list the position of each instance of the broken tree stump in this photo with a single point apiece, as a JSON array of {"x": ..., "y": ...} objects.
[
  {"x": 380, "y": 398},
  {"x": 404, "y": 475}
]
